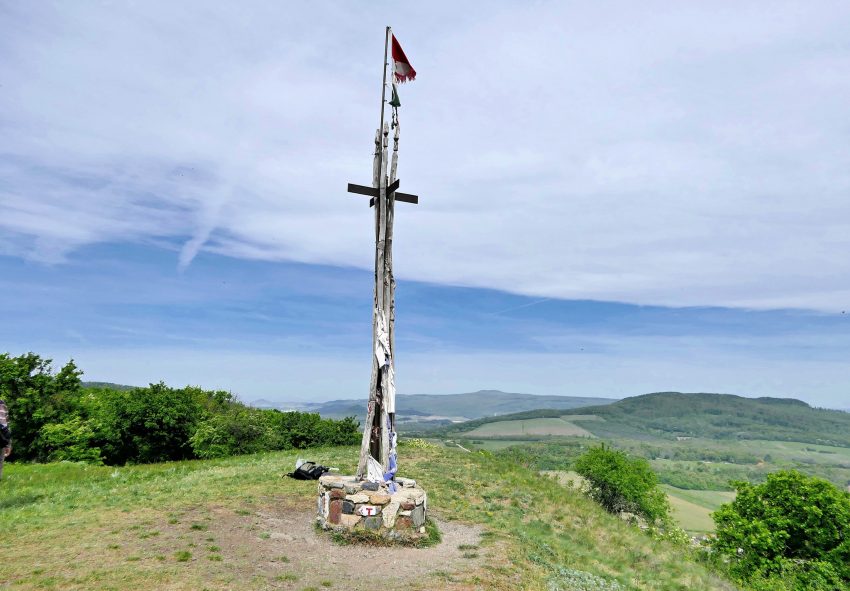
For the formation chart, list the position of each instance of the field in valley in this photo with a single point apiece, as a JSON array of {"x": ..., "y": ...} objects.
[
  {"x": 695, "y": 487},
  {"x": 557, "y": 427}
]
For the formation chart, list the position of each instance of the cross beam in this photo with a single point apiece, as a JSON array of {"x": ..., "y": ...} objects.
[{"x": 374, "y": 192}]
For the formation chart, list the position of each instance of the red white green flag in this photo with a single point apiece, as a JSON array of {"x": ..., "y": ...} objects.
[{"x": 402, "y": 69}]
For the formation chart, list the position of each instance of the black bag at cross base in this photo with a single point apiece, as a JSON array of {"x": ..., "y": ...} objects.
[{"x": 308, "y": 471}]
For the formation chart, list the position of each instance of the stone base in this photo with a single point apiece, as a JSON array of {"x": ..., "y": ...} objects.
[{"x": 346, "y": 504}]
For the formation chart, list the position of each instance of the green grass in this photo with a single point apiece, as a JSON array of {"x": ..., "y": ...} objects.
[
  {"x": 544, "y": 426},
  {"x": 709, "y": 499},
  {"x": 432, "y": 537},
  {"x": 691, "y": 517},
  {"x": 63, "y": 517},
  {"x": 490, "y": 444},
  {"x": 692, "y": 509}
]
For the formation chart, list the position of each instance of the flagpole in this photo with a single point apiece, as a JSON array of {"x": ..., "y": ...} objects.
[{"x": 384, "y": 89}]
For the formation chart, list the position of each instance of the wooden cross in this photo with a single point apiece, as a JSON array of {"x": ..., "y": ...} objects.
[
  {"x": 391, "y": 193},
  {"x": 379, "y": 430}
]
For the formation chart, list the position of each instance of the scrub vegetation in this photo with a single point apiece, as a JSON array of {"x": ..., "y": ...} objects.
[{"x": 55, "y": 418}]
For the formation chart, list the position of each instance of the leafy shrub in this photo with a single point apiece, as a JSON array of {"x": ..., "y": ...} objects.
[
  {"x": 622, "y": 483},
  {"x": 73, "y": 440},
  {"x": 227, "y": 434},
  {"x": 35, "y": 398},
  {"x": 145, "y": 425},
  {"x": 792, "y": 529}
]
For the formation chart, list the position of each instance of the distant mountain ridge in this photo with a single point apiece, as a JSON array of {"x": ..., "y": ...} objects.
[
  {"x": 716, "y": 416},
  {"x": 109, "y": 385},
  {"x": 447, "y": 408}
]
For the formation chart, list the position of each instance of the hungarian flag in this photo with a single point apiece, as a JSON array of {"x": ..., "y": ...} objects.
[{"x": 401, "y": 65}]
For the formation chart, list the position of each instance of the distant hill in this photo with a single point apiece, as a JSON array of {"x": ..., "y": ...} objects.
[
  {"x": 109, "y": 385},
  {"x": 718, "y": 416},
  {"x": 449, "y": 408}
]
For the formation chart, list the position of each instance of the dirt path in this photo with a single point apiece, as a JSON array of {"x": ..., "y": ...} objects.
[
  {"x": 362, "y": 567},
  {"x": 278, "y": 547}
]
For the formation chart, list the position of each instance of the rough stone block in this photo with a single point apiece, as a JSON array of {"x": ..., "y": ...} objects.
[
  {"x": 331, "y": 481},
  {"x": 379, "y": 499},
  {"x": 403, "y": 523},
  {"x": 352, "y": 489},
  {"x": 334, "y": 512},
  {"x": 349, "y": 521},
  {"x": 372, "y": 486},
  {"x": 372, "y": 523},
  {"x": 418, "y": 516},
  {"x": 358, "y": 498},
  {"x": 347, "y": 508},
  {"x": 407, "y": 506},
  {"x": 337, "y": 493},
  {"x": 389, "y": 514}
]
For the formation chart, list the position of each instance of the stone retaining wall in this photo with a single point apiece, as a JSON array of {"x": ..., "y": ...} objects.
[{"x": 348, "y": 504}]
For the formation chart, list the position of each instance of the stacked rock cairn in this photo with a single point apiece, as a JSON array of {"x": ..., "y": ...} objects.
[{"x": 346, "y": 504}]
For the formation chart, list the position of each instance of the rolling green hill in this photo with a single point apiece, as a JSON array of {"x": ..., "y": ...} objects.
[
  {"x": 110, "y": 385},
  {"x": 670, "y": 415},
  {"x": 471, "y": 405}
]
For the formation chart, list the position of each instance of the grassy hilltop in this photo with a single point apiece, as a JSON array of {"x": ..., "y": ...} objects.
[{"x": 222, "y": 524}]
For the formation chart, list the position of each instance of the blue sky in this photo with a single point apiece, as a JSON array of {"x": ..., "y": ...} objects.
[
  {"x": 290, "y": 331},
  {"x": 172, "y": 199}
]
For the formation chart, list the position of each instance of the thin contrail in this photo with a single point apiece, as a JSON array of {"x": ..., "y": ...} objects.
[{"x": 534, "y": 303}]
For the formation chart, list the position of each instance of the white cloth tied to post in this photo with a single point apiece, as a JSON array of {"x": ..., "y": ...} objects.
[
  {"x": 374, "y": 471},
  {"x": 382, "y": 354},
  {"x": 382, "y": 342}
]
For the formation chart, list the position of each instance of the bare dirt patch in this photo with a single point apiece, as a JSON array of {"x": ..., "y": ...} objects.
[
  {"x": 278, "y": 547},
  {"x": 360, "y": 567}
]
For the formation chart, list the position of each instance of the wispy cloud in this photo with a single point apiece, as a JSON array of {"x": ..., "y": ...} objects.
[{"x": 678, "y": 154}]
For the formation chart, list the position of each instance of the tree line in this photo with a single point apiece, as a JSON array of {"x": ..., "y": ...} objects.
[{"x": 54, "y": 417}]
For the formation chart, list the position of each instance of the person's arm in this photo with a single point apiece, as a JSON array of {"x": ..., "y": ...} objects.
[{"x": 4, "y": 421}]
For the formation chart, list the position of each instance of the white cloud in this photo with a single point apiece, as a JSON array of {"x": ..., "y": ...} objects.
[{"x": 653, "y": 153}]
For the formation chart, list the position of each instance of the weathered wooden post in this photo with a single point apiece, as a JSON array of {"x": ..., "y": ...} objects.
[
  {"x": 377, "y": 452},
  {"x": 375, "y": 498}
]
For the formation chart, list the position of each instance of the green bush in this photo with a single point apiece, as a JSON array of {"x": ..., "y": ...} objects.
[
  {"x": 237, "y": 431},
  {"x": 35, "y": 398},
  {"x": 619, "y": 482},
  {"x": 73, "y": 440},
  {"x": 792, "y": 528},
  {"x": 146, "y": 425}
]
